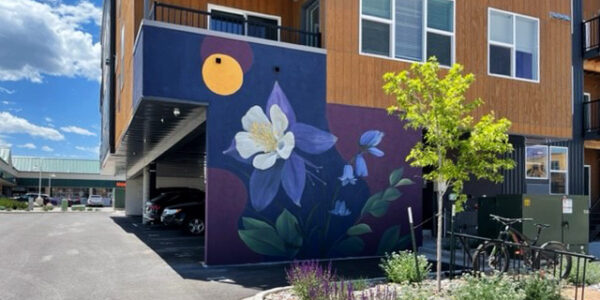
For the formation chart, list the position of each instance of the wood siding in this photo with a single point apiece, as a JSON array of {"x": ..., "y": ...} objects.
[
  {"x": 536, "y": 109},
  {"x": 130, "y": 13},
  {"x": 591, "y": 85},
  {"x": 591, "y": 8}
]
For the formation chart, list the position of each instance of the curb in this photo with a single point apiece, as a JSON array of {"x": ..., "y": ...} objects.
[{"x": 263, "y": 294}]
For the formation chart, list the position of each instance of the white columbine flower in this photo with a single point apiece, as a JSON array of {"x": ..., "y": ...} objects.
[{"x": 268, "y": 139}]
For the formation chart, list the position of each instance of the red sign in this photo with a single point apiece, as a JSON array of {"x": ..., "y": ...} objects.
[{"x": 121, "y": 184}]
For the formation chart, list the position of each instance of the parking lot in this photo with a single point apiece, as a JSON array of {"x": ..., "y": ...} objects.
[{"x": 105, "y": 255}]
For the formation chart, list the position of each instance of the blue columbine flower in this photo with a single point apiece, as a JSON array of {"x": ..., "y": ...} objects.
[
  {"x": 348, "y": 176},
  {"x": 368, "y": 144},
  {"x": 270, "y": 143},
  {"x": 340, "y": 209}
]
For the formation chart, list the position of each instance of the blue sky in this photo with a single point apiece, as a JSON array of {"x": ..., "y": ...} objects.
[{"x": 50, "y": 77}]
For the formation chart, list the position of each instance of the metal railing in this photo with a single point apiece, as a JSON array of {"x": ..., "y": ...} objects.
[
  {"x": 230, "y": 23},
  {"x": 591, "y": 115},
  {"x": 591, "y": 34},
  {"x": 517, "y": 266}
]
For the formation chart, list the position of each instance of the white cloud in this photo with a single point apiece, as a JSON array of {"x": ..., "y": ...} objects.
[
  {"x": 4, "y": 143},
  {"x": 6, "y": 91},
  {"x": 47, "y": 39},
  {"x": 47, "y": 149},
  {"x": 13, "y": 124},
  {"x": 95, "y": 150},
  {"x": 48, "y": 119},
  {"x": 28, "y": 146},
  {"x": 6, "y": 102},
  {"x": 77, "y": 130}
]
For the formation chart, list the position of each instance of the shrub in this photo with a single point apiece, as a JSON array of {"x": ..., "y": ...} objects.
[
  {"x": 48, "y": 207},
  {"x": 379, "y": 293},
  {"x": 540, "y": 286},
  {"x": 410, "y": 292},
  {"x": 311, "y": 281},
  {"x": 495, "y": 287},
  {"x": 592, "y": 273},
  {"x": 400, "y": 267},
  {"x": 12, "y": 204},
  {"x": 2, "y": 208},
  {"x": 78, "y": 207}
]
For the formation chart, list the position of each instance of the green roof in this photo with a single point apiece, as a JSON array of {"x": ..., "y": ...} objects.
[
  {"x": 56, "y": 165},
  {"x": 5, "y": 155}
]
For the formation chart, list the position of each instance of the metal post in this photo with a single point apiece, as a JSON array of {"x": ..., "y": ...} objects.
[
  {"x": 40, "y": 180},
  {"x": 452, "y": 241},
  {"x": 414, "y": 241}
]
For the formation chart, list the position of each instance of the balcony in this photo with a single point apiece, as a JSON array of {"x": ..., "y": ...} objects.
[
  {"x": 234, "y": 24},
  {"x": 591, "y": 38},
  {"x": 591, "y": 119}
]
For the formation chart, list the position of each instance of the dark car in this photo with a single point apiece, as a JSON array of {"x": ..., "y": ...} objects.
[
  {"x": 25, "y": 197},
  {"x": 169, "y": 196},
  {"x": 190, "y": 215}
]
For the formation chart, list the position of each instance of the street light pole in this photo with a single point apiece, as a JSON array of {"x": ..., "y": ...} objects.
[
  {"x": 50, "y": 176},
  {"x": 40, "y": 181}
]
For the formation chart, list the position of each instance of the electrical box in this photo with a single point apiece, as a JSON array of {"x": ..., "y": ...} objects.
[{"x": 567, "y": 216}]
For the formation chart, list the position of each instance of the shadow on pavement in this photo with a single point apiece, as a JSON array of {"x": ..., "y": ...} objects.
[{"x": 185, "y": 254}]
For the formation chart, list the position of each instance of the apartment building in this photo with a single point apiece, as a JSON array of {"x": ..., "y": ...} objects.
[{"x": 275, "y": 109}]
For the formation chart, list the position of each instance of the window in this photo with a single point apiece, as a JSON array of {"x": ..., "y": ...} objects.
[
  {"x": 536, "y": 162},
  {"x": 242, "y": 22},
  {"x": 513, "y": 45},
  {"x": 411, "y": 30},
  {"x": 559, "y": 160}
]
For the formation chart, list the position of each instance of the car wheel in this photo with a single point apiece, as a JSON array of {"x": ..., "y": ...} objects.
[{"x": 195, "y": 226}]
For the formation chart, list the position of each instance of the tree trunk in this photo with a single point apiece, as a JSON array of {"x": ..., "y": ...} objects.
[{"x": 440, "y": 217}]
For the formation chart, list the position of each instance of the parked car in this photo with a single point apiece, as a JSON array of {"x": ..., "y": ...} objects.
[
  {"x": 153, "y": 208},
  {"x": 25, "y": 197},
  {"x": 95, "y": 200},
  {"x": 190, "y": 215}
]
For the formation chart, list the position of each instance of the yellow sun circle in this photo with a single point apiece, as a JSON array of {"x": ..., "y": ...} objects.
[{"x": 222, "y": 74}]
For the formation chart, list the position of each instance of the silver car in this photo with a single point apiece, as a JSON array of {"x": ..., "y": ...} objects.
[{"x": 95, "y": 200}]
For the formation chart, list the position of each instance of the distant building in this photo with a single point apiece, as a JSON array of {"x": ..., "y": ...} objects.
[{"x": 60, "y": 177}]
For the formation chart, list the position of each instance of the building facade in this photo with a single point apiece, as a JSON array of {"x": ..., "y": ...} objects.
[{"x": 275, "y": 109}]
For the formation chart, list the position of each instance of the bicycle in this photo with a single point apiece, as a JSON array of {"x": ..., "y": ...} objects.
[{"x": 497, "y": 254}]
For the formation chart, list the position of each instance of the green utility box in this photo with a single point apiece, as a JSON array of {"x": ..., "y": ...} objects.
[
  {"x": 119, "y": 198},
  {"x": 568, "y": 217}
]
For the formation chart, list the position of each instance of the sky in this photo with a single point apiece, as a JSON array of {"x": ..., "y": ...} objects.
[{"x": 50, "y": 77}]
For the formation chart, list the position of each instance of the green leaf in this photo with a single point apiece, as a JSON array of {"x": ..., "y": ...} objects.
[
  {"x": 376, "y": 206},
  {"x": 359, "y": 229},
  {"x": 403, "y": 242},
  {"x": 351, "y": 246},
  {"x": 263, "y": 241},
  {"x": 395, "y": 176},
  {"x": 404, "y": 181},
  {"x": 251, "y": 223},
  {"x": 367, "y": 208},
  {"x": 391, "y": 194},
  {"x": 389, "y": 240},
  {"x": 287, "y": 228}
]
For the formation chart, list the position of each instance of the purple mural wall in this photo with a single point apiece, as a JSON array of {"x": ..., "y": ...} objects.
[{"x": 289, "y": 176}]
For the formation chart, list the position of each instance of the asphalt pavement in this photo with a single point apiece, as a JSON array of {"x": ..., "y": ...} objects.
[{"x": 105, "y": 255}]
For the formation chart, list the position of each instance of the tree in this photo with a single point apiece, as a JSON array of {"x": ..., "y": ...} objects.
[{"x": 454, "y": 149}]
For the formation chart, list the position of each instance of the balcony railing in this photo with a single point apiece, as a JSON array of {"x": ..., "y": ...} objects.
[
  {"x": 231, "y": 23},
  {"x": 591, "y": 37},
  {"x": 591, "y": 116}
]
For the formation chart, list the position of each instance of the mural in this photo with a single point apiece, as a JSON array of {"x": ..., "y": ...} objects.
[
  {"x": 273, "y": 144},
  {"x": 289, "y": 176}
]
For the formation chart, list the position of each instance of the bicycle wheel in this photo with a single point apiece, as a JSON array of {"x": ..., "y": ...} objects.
[
  {"x": 491, "y": 257},
  {"x": 552, "y": 262}
]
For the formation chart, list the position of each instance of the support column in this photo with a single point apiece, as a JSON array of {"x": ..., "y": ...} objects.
[
  {"x": 133, "y": 196},
  {"x": 152, "y": 183},
  {"x": 145, "y": 185}
]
